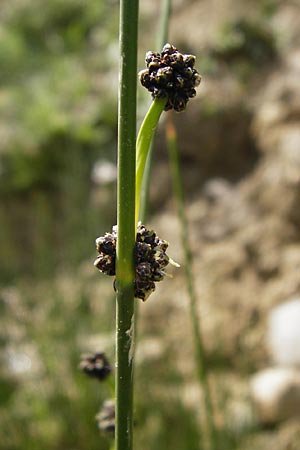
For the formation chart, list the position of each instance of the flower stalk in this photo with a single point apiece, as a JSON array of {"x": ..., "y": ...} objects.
[
  {"x": 162, "y": 37},
  {"x": 143, "y": 142}
]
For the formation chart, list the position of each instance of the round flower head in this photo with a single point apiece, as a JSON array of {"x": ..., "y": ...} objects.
[
  {"x": 172, "y": 75},
  {"x": 150, "y": 259}
]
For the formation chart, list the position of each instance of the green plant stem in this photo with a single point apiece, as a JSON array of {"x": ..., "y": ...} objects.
[
  {"x": 126, "y": 224},
  {"x": 162, "y": 37},
  {"x": 143, "y": 144},
  {"x": 145, "y": 188},
  {"x": 198, "y": 341}
]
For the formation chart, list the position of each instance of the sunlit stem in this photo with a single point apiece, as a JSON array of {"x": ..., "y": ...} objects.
[{"x": 143, "y": 144}]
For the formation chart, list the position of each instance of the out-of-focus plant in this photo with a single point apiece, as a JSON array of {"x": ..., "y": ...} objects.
[
  {"x": 243, "y": 45},
  {"x": 53, "y": 126}
]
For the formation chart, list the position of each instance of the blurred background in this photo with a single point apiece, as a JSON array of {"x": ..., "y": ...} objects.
[{"x": 239, "y": 146}]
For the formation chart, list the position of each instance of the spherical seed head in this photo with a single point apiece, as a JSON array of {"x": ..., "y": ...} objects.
[
  {"x": 172, "y": 75},
  {"x": 150, "y": 258},
  {"x": 96, "y": 365}
]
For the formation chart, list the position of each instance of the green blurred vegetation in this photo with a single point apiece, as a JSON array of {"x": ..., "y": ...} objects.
[
  {"x": 48, "y": 403},
  {"x": 58, "y": 104},
  {"x": 244, "y": 45},
  {"x": 58, "y": 107}
]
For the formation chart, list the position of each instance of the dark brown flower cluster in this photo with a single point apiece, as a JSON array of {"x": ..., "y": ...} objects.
[
  {"x": 106, "y": 417},
  {"x": 96, "y": 365},
  {"x": 150, "y": 259},
  {"x": 171, "y": 74},
  {"x": 106, "y": 247}
]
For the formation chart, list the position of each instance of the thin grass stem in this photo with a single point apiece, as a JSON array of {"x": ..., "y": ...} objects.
[
  {"x": 163, "y": 29},
  {"x": 198, "y": 341}
]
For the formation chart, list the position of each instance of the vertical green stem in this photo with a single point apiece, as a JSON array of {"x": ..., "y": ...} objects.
[
  {"x": 126, "y": 224},
  {"x": 198, "y": 341},
  {"x": 145, "y": 185}
]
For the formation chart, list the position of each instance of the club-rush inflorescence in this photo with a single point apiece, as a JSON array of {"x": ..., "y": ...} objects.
[
  {"x": 150, "y": 259},
  {"x": 170, "y": 74}
]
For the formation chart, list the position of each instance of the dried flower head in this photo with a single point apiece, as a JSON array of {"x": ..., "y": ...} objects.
[
  {"x": 96, "y": 365},
  {"x": 171, "y": 74},
  {"x": 106, "y": 417},
  {"x": 150, "y": 259}
]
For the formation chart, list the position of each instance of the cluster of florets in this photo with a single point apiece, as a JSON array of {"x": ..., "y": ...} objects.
[
  {"x": 150, "y": 259},
  {"x": 171, "y": 74},
  {"x": 96, "y": 365},
  {"x": 106, "y": 417}
]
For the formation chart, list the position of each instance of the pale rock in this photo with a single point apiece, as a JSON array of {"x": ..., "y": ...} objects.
[
  {"x": 276, "y": 394},
  {"x": 283, "y": 336}
]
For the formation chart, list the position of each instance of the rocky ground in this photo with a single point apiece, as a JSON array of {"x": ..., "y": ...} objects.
[{"x": 240, "y": 148}]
